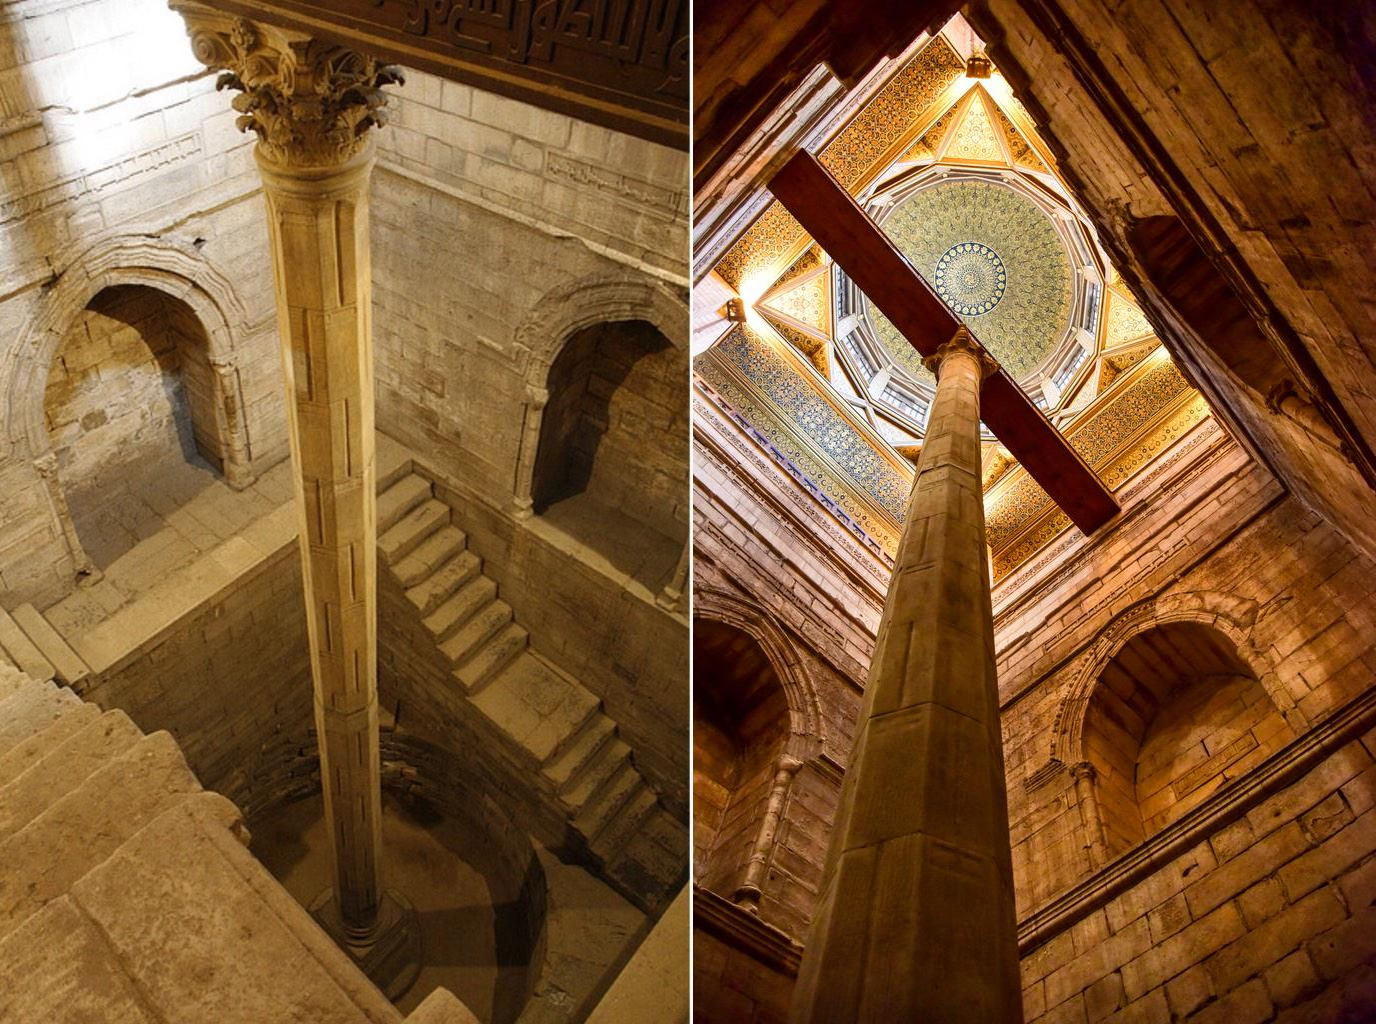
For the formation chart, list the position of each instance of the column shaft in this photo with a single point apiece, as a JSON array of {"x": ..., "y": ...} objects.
[
  {"x": 916, "y": 920},
  {"x": 318, "y": 220},
  {"x": 750, "y": 890}
]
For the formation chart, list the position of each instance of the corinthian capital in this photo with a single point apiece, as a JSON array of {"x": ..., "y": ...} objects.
[{"x": 311, "y": 102}]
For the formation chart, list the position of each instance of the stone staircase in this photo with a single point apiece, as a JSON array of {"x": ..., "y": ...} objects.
[
  {"x": 126, "y": 893},
  {"x": 553, "y": 728}
]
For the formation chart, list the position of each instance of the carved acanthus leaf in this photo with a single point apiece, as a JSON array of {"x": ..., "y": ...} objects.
[{"x": 311, "y": 102}]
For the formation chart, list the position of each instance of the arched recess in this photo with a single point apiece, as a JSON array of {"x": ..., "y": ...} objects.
[
  {"x": 755, "y": 725},
  {"x": 209, "y": 314},
  {"x": 604, "y": 439},
  {"x": 172, "y": 268},
  {"x": 1171, "y": 713}
]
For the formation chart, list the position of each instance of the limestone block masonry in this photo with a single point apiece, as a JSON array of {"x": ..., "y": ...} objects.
[
  {"x": 155, "y": 911},
  {"x": 460, "y": 666}
]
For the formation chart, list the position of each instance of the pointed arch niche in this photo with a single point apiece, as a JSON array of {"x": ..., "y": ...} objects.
[
  {"x": 1172, "y": 716},
  {"x": 743, "y": 761},
  {"x": 612, "y": 458}
]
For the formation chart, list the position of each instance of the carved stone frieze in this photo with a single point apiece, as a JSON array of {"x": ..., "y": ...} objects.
[{"x": 310, "y": 101}]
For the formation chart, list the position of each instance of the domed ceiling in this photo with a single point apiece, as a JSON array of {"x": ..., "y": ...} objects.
[
  {"x": 995, "y": 258},
  {"x": 950, "y": 166}
]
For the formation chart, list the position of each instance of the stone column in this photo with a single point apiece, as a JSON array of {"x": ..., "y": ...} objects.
[
  {"x": 1083, "y": 773},
  {"x": 237, "y": 461},
  {"x": 749, "y": 891},
  {"x": 536, "y": 400},
  {"x": 671, "y": 596},
  {"x": 915, "y": 919},
  {"x": 311, "y": 104},
  {"x": 83, "y": 568}
]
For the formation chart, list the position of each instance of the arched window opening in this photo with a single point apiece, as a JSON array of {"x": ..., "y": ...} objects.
[
  {"x": 1175, "y": 715},
  {"x": 612, "y": 462},
  {"x": 740, "y": 726},
  {"x": 130, "y": 407}
]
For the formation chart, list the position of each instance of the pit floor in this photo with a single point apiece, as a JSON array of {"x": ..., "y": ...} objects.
[{"x": 443, "y": 867}]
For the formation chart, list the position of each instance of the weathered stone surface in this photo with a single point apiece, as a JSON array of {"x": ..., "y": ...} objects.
[{"x": 58, "y": 967}]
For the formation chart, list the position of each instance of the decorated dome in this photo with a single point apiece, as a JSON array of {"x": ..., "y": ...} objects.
[{"x": 994, "y": 257}]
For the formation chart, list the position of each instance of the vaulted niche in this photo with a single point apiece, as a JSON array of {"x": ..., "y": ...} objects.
[
  {"x": 740, "y": 725},
  {"x": 130, "y": 405},
  {"x": 613, "y": 454},
  {"x": 1175, "y": 715}
]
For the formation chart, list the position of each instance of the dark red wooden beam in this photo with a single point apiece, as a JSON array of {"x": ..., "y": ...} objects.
[{"x": 828, "y": 213}]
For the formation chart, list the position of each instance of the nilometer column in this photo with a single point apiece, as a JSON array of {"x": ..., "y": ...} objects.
[
  {"x": 311, "y": 104},
  {"x": 915, "y": 919}
]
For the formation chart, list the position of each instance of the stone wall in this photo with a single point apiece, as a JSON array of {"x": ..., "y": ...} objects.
[
  {"x": 1245, "y": 887},
  {"x": 772, "y": 562},
  {"x": 1242, "y": 898},
  {"x": 482, "y": 210},
  {"x": 616, "y": 427},
  {"x": 1246, "y": 131},
  {"x": 115, "y": 394},
  {"x": 225, "y": 678},
  {"x": 116, "y": 172}
]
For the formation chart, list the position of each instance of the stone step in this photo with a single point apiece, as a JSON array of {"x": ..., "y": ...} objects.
[
  {"x": 568, "y": 765},
  {"x": 444, "y": 582},
  {"x": 31, "y": 709},
  {"x": 89, "y": 824},
  {"x": 457, "y": 609},
  {"x": 67, "y": 665},
  {"x": 400, "y": 498},
  {"x": 616, "y": 835},
  {"x": 431, "y": 554},
  {"x": 392, "y": 467},
  {"x": 607, "y": 803},
  {"x": 649, "y": 864},
  {"x": 11, "y": 678},
  {"x": 63, "y": 768},
  {"x": 211, "y": 936},
  {"x": 21, "y": 756},
  {"x": 597, "y": 776},
  {"x": 412, "y": 528},
  {"x": 565, "y": 709},
  {"x": 480, "y": 628},
  {"x": 22, "y": 651},
  {"x": 496, "y": 654}
]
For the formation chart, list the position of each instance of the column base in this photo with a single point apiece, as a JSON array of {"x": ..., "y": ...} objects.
[{"x": 390, "y": 956}]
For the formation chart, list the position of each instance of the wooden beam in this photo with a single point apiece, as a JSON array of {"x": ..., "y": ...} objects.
[
  {"x": 829, "y": 214},
  {"x": 622, "y": 66}
]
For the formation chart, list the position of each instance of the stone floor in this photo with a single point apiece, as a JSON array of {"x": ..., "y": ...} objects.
[
  {"x": 154, "y": 520},
  {"x": 608, "y": 539},
  {"x": 471, "y": 947}
]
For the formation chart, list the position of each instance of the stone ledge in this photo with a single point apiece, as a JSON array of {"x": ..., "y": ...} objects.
[
  {"x": 769, "y": 945},
  {"x": 138, "y": 626}
]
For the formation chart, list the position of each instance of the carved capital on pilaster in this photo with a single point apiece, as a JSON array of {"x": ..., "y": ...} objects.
[
  {"x": 1083, "y": 770},
  {"x": 46, "y": 464},
  {"x": 537, "y": 398},
  {"x": 962, "y": 341},
  {"x": 311, "y": 102}
]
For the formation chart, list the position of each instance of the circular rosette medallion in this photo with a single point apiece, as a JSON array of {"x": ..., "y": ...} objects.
[{"x": 970, "y": 278}]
